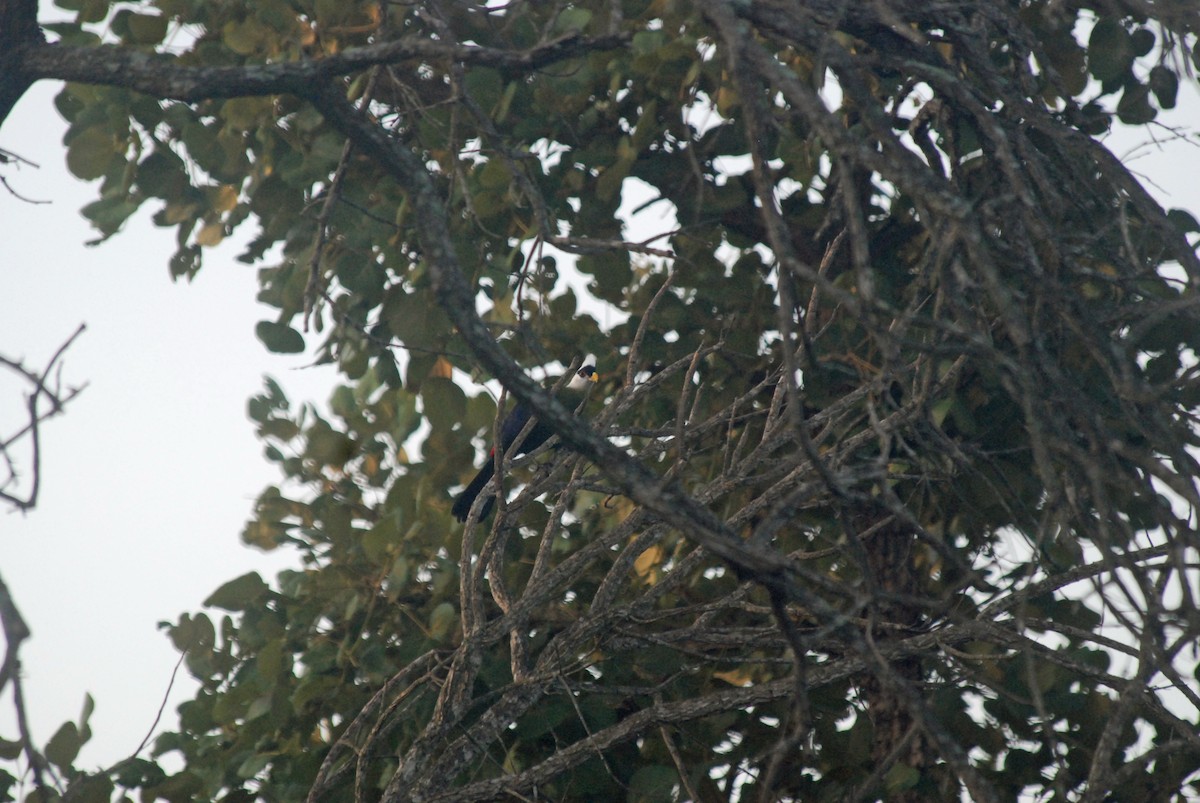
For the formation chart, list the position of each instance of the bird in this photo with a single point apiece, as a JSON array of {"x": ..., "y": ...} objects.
[{"x": 510, "y": 429}]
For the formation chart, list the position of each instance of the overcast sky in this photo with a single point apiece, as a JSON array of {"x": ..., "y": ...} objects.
[{"x": 149, "y": 477}]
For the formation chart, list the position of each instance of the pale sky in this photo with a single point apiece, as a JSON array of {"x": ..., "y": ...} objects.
[{"x": 150, "y": 475}]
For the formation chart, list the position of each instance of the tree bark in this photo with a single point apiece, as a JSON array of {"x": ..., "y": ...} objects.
[
  {"x": 18, "y": 30},
  {"x": 899, "y": 739}
]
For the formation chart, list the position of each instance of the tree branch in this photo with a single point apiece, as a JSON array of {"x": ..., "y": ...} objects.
[
  {"x": 18, "y": 29},
  {"x": 15, "y": 632},
  {"x": 58, "y": 399},
  {"x": 162, "y": 76}
]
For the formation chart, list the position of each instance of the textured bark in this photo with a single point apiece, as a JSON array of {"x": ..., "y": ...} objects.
[
  {"x": 18, "y": 29},
  {"x": 898, "y": 738}
]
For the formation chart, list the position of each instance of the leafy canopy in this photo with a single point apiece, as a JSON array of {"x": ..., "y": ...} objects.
[{"x": 900, "y": 360}]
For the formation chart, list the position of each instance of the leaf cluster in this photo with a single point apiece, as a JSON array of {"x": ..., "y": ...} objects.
[{"x": 901, "y": 369}]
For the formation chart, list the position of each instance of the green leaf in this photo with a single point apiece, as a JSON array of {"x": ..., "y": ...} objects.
[
  {"x": 442, "y": 620},
  {"x": 137, "y": 772},
  {"x": 1134, "y": 107},
  {"x": 244, "y": 37},
  {"x": 260, "y": 706},
  {"x": 255, "y": 764},
  {"x": 610, "y": 271},
  {"x": 490, "y": 204},
  {"x": 91, "y": 151},
  {"x": 445, "y": 404},
  {"x": 398, "y": 577},
  {"x": 901, "y": 777},
  {"x": 147, "y": 29},
  {"x": 382, "y": 536},
  {"x": 485, "y": 86},
  {"x": 940, "y": 409},
  {"x": 161, "y": 174},
  {"x": 1183, "y": 220},
  {"x": 415, "y": 321},
  {"x": 279, "y": 337},
  {"x": 572, "y": 19},
  {"x": 64, "y": 746},
  {"x": 92, "y": 10},
  {"x": 343, "y": 403},
  {"x": 272, "y": 658},
  {"x": 327, "y": 446},
  {"x": 653, "y": 784},
  {"x": 608, "y": 186},
  {"x": 97, "y": 788},
  {"x": 109, "y": 214},
  {"x": 238, "y": 594},
  {"x": 89, "y": 706},
  {"x": 139, "y": 29},
  {"x": 494, "y": 175},
  {"x": 1062, "y": 51},
  {"x": 1164, "y": 83},
  {"x": 246, "y": 113},
  {"x": 192, "y": 632},
  {"x": 646, "y": 43},
  {"x": 1110, "y": 50},
  {"x": 1142, "y": 41}
]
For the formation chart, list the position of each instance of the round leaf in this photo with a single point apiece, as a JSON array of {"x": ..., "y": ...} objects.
[
  {"x": 64, "y": 746},
  {"x": 279, "y": 337},
  {"x": 238, "y": 594},
  {"x": 445, "y": 403},
  {"x": 1110, "y": 50},
  {"x": 90, "y": 152}
]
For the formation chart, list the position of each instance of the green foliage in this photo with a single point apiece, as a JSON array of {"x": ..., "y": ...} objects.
[{"x": 922, "y": 336}]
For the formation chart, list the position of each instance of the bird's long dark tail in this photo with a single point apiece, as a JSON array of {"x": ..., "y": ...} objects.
[{"x": 462, "y": 505}]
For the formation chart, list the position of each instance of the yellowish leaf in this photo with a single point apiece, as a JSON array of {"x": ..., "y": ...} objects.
[
  {"x": 226, "y": 199},
  {"x": 211, "y": 234},
  {"x": 648, "y": 562},
  {"x": 177, "y": 213},
  {"x": 734, "y": 677}
]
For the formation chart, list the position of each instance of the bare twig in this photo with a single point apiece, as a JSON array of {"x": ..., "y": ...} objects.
[{"x": 58, "y": 397}]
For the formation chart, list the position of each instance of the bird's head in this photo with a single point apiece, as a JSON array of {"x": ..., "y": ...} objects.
[{"x": 583, "y": 377}]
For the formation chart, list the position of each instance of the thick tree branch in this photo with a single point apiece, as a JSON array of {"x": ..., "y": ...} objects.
[
  {"x": 18, "y": 30},
  {"x": 30, "y": 59}
]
